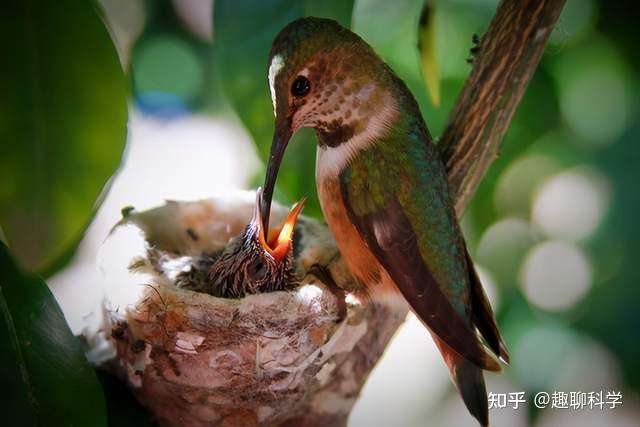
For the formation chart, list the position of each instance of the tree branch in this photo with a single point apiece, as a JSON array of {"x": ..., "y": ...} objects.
[{"x": 508, "y": 55}]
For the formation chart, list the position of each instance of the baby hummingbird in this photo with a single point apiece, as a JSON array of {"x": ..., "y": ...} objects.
[
  {"x": 383, "y": 190},
  {"x": 256, "y": 261}
]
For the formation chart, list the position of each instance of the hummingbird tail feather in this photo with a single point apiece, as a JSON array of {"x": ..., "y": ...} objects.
[
  {"x": 482, "y": 315},
  {"x": 469, "y": 380}
]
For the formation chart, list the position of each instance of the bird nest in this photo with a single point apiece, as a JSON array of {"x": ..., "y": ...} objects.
[{"x": 293, "y": 357}]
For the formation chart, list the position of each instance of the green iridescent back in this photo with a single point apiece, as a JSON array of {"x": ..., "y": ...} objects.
[{"x": 405, "y": 163}]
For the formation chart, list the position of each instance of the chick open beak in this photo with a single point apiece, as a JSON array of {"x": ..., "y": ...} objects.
[{"x": 277, "y": 241}]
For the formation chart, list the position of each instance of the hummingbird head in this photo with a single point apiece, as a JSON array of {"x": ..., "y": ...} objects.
[
  {"x": 256, "y": 261},
  {"x": 325, "y": 77}
]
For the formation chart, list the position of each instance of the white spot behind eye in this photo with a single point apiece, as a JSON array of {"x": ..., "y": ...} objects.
[{"x": 274, "y": 68}]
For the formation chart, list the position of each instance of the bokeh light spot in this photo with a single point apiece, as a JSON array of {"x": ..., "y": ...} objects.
[
  {"x": 555, "y": 275},
  {"x": 598, "y": 361},
  {"x": 594, "y": 92},
  {"x": 517, "y": 183},
  {"x": 572, "y": 204},
  {"x": 595, "y": 104},
  {"x": 549, "y": 356},
  {"x": 540, "y": 353},
  {"x": 407, "y": 382},
  {"x": 164, "y": 63},
  {"x": 502, "y": 248}
]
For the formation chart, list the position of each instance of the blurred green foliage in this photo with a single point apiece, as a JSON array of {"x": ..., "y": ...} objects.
[
  {"x": 63, "y": 120},
  {"x": 45, "y": 377}
]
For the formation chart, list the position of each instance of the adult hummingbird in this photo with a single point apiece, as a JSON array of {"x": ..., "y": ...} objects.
[
  {"x": 383, "y": 191},
  {"x": 256, "y": 261}
]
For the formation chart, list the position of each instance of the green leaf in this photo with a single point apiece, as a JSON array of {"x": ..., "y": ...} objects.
[
  {"x": 63, "y": 120},
  {"x": 244, "y": 31},
  {"x": 45, "y": 377},
  {"x": 428, "y": 54}
]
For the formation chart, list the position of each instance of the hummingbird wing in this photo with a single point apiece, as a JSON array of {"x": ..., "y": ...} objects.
[
  {"x": 482, "y": 314},
  {"x": 388, "y": 203}
]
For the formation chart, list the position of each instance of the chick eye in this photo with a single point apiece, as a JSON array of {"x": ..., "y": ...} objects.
[{"x": 300, "y": 86}]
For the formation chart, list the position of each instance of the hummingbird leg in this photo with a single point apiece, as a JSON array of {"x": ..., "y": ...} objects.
[{"x": 325, "y": 276}]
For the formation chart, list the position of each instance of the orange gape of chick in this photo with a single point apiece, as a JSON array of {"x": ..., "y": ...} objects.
[{"x": 256, "y": 261}]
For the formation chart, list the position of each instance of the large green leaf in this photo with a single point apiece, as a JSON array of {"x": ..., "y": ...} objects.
[
  {"x": 63, "y": 119},
  {"x": 45, "y": 377},
  {"x": 244, "y": 31}
]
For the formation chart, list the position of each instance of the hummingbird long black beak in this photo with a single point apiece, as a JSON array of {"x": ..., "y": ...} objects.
[
  {"x": 277, "y": 241},
  {"x": 281, "y": 137}
]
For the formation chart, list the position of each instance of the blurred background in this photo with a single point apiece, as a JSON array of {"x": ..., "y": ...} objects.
[{"x": 552, "y": 227}]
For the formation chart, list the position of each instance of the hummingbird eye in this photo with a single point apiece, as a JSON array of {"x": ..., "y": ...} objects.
[{"x": 300, "y": 86}]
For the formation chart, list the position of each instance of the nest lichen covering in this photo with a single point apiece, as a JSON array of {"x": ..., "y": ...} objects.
[{"x": 281, "y": 358}]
